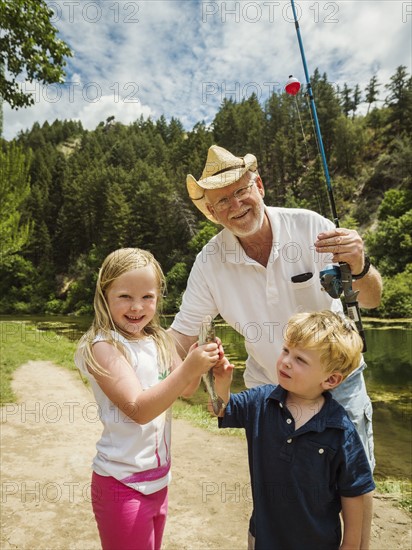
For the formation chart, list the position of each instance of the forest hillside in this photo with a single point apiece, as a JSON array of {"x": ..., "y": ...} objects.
[{"x": 70, "y": 196}]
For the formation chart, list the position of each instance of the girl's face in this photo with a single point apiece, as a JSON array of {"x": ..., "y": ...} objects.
[{"x": 132, "y": 300}]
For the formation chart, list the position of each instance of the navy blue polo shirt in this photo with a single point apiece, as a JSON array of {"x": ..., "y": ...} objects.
[{"x": 298, "y": 476}]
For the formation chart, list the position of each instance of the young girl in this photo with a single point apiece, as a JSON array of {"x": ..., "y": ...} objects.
[{"x": 136, "y": 375}]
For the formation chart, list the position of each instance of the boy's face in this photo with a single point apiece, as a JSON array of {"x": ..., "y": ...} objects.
[{"x": 300, "y": 371}]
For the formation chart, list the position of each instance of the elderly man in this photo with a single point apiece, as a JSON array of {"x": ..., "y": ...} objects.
[{"x": 262, "y": 268}]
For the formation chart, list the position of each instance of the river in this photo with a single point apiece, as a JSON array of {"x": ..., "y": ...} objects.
[{"x": 388, "y": 378}]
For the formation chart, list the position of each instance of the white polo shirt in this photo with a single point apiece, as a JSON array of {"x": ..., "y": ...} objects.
[{"x": 258, "y": 301}]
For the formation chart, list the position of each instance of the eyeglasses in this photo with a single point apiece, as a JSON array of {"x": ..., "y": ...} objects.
[{"x": 240, "y": 194}]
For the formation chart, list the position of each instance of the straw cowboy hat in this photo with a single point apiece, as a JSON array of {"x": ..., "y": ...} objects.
[{"x": 221, "y": 169}]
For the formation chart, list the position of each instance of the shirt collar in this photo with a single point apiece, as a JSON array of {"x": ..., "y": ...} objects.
[
  {"x": 325, "y": 418},
  {"x": 233, "y": 250},
  {"x": 232, "y": 244},
  {"x": 279, "y": 394}
]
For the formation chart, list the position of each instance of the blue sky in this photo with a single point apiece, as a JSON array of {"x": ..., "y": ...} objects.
[{"x": 181, "y": 58}]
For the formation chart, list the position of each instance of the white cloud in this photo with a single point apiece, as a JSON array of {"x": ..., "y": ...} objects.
[
  {"x": 93, "y": 113},
  {"x": 182, "y": 58}
]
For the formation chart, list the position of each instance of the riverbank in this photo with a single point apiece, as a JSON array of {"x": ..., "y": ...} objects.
[{"x": 46, "y": 497}]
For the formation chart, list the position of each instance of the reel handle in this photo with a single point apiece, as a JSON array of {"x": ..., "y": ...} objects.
[
  {"x": 337, "y": 279},
  {"x": 351, "y": 301}
]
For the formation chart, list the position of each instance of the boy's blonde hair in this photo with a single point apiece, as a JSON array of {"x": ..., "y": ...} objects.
[
  {"x": 116, "y": 264},
  {"x": 333, "y": 335}
]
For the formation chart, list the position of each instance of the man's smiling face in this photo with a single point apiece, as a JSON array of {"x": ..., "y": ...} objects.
[{"x": 243, "y": 216}]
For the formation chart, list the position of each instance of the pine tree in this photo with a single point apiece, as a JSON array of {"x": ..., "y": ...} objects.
[
  {"x": 346, "y": 100},
  {"x": 372, "y": 92},
  {"x": 357, "y": 98},
  {"x": 14, "y": 190},
  {"x": 399, "y": 100},
  {"x": 328, "y": 109},
  {"x": 116, "y": 220}
]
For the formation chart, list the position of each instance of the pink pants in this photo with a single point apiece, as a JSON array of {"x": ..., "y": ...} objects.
[{"x": 127, "y": 519}]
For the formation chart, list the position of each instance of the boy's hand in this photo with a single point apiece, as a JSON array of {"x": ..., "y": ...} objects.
[
  {"x": 223, "y": 371},
  {"x": 223, "y": 374}
]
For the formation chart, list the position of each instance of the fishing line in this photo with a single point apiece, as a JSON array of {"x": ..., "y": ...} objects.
[
  {"x": 292, "y": 87},
  {"x": 301, "y": 127}
]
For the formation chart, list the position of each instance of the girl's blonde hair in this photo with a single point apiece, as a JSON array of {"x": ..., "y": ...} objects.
[
  {"x": 116, "y": 264},
  {"x": 333, "y": 335}
]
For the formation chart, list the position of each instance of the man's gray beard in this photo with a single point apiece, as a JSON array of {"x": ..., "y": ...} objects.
[{"x": 257, "y": 226}]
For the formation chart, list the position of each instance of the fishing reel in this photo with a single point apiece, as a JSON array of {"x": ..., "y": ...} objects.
[
  {"x": 337, "y": 279},
  {"x": 331, "y": 281}
]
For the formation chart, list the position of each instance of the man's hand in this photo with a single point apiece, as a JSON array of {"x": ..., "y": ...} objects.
[{"x": 345, "y": 245}]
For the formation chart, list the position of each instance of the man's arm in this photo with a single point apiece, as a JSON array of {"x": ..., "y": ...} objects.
[
  {"x": 370, "y": 289},
  {"x": 352, "y": 515},
  {"x": 182, "y": 341},
  {"x": 182, "y": 346}
]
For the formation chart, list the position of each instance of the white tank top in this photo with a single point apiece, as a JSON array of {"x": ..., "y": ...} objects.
[{"x": 137, "y": 455}]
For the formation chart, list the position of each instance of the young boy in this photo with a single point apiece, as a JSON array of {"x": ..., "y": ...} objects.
[{"x": 306, "y": 461}]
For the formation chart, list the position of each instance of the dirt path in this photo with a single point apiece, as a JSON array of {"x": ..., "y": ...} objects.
[{"x": 48, "y": 441}]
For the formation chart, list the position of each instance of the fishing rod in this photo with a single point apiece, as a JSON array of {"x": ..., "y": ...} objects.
[{"x": 334, "y": 279}]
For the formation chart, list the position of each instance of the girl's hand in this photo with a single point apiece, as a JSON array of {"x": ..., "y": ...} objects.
[
  {"x": 221, "y": 350},
  {"x": 201, "y": 359}
]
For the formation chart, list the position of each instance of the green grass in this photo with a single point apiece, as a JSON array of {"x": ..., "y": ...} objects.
[
  {"x": 399, "y": 490},
  {"x": 199, "y": 417},
  {"x": 21, "y": 342}
]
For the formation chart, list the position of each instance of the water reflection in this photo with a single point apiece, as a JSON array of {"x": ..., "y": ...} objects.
[{"x": 389, "y": 356}]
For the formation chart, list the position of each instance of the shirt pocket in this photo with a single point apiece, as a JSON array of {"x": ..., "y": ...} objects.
[
  {"x": 306, "y": 294},
  {"x": 315, "y": 470}
]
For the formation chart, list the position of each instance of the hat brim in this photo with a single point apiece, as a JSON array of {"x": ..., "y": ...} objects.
[{"x": 196, "y": 189}]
